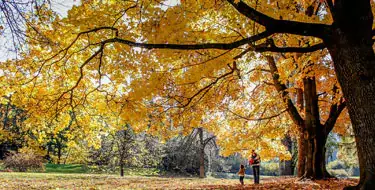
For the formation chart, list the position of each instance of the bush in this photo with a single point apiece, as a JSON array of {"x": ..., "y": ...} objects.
[
  {"x": 353, "y": 171},
  {"x": 269, "y": 168},
  {"x": 339, "y": 173},
  {"x": 335, "y": 165},
  {"x": 24, "y": 161}
]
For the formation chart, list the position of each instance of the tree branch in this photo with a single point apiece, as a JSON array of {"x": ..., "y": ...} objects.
[
  {"x": 281, "y": 26},
  {"x": 206, "y": 141},
  {"x": 281, "y": 88},
  {"x": 334, "y": 113},
  {"x": 256, "y": 119},
  {"x": 262, "y": 48},
  {"x": 329, "y": 4},
  {"x": 223, "y": 46}
]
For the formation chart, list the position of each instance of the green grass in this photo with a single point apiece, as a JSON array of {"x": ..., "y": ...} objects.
[
  {"x": 66, "y": 168},
  {"x": 1, "y": 166},
  {"x": 141, "y": 171},
  {"x": 83, "y": 169}
]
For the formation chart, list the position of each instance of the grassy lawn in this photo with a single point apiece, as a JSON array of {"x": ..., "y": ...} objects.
[
  {"x": 100, "y": 181},
  {"x": 105, "y": 181},
  {"x": 83, "y": 169},
  {"x": 66, "y": 168},
  {"x": 76, "y": 176}
]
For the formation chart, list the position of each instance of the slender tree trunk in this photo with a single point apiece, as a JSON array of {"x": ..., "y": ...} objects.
[
  {"x": 301, "y": 154},
  {"x": 67, "y": 155},
  {"x": 286, "y": 166},
  {"x": 301, "y": 142},
  {"x": 121, "y": 169},
  {"x": 58, "y": 154},
  {"x": 294, "y": 156},
  {"x": 201, "y": 153}
]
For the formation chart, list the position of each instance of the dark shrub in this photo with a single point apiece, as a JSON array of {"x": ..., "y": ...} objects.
[{"x": 23, "y": 162}]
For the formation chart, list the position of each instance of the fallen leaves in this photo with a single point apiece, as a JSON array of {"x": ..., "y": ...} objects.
[{"x": 96, "y": 181}]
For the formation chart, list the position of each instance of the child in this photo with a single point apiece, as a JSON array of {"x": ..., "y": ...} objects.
[{"x": 241, "y": 173}]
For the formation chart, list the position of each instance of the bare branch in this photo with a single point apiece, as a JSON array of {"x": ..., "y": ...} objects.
[
  {"x": 70, "y": 90},
  {"x": 256, "y": 119}
]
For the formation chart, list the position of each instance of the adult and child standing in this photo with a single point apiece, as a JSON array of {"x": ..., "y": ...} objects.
[{"x": 254, "y": 161}]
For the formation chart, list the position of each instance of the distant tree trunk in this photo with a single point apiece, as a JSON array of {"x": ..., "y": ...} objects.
[
  {"x": 201, "y": 153},
  {"x": 294, "y": 155},
  {"x": 286, "y": 166},
  {"x": 66, "y": 157},
  {"x": 121, "y": 168},
  {"x": 58, "y": 153}
]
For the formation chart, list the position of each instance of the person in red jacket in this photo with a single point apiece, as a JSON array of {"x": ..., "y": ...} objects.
[{"x": 254, "y": 161}]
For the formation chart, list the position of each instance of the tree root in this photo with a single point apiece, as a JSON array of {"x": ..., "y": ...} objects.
[
  {"x": 305, "y": 178},
  {"x": 367, "y": 184}
]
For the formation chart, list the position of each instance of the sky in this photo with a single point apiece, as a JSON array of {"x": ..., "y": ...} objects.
[{"x": 61, "y": 7}]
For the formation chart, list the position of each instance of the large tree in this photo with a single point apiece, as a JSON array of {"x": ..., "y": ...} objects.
[{"x": 219, "y": 30}]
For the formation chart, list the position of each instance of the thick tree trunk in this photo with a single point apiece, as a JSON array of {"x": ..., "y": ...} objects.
[
  {"x": 320, "y": 171},
  {"x": 309, "y": 167},
  {"x": 315, "y": 167},
  {"x": 309, "y": 126},
  {"x": 350, "y": 46},
  {"x": 358, "y": 86},
  {"x": 316, "y": 135}
]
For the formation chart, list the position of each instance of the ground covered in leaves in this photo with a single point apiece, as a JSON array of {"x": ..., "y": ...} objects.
[{"x": 101, "y": 181}]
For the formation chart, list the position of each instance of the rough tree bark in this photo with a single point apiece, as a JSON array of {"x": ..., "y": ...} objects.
[
  {"x": 301, "y": 154},
  {"x": 350, "y": 45}
]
